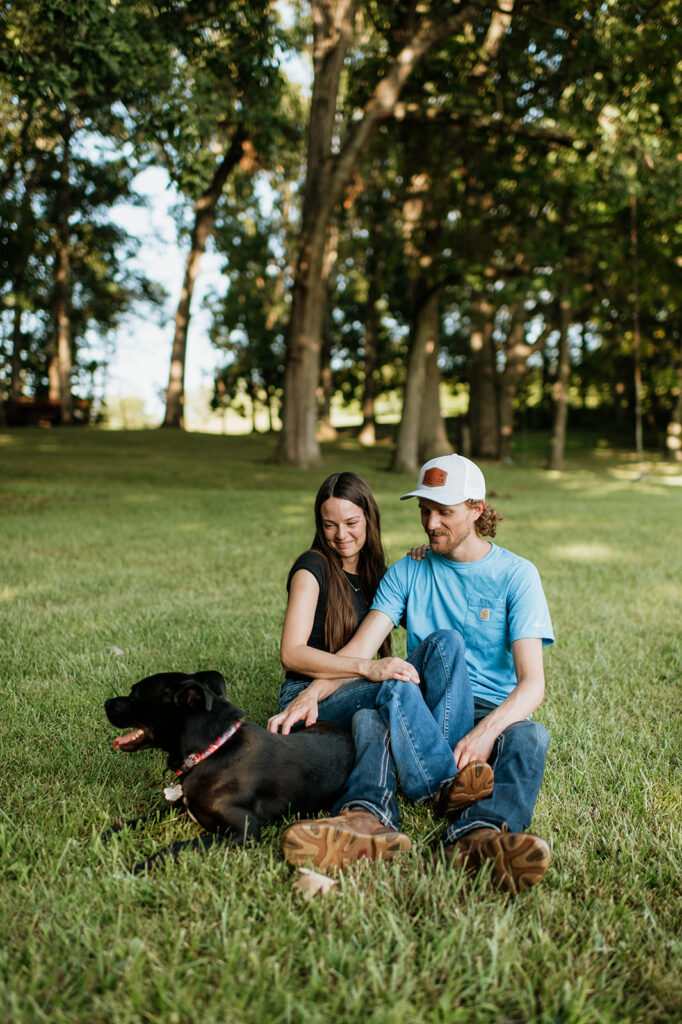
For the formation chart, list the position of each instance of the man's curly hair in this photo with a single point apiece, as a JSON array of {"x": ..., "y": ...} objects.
[{"x": 486, "y": 524}]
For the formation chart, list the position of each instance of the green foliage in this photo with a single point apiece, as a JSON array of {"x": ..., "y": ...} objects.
[
  {"x": 66, "y": 72},
  {"x": 524, "y": 158},
  {"x": 175, "y": 550}
]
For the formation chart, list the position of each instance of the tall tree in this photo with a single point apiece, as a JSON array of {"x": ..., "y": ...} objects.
[
  {"x": 330, "y": 166},
  {"x": 64, "y": 71},
  {"x": 219, "y": 109}
]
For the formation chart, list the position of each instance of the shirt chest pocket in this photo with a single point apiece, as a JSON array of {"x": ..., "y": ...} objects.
[{"x": 486, "y": 621}]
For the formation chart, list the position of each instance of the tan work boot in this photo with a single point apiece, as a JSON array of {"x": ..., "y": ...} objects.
[
  {"x": 335, "y": 842},
  {"x": 475, "y": 782},
  {"x": 519, "y": 859}
]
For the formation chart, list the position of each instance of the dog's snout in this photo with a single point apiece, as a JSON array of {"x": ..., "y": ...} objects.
[{"x": 116, "y": 709}]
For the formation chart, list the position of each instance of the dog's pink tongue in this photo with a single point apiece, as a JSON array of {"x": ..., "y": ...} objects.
[{"x": 121, "y": 742}]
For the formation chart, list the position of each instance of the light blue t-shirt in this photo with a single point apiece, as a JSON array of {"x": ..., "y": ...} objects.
[{"x": 492, "y": 602}]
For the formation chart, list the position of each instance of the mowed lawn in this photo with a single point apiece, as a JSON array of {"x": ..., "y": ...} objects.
[{"x": 174, "y": 550}]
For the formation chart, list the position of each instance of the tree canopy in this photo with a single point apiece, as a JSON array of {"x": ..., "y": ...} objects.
[{"x": 470, "y": 198}]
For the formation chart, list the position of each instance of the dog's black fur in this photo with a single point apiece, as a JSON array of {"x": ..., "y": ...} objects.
[{"x": 256, "y": 776}]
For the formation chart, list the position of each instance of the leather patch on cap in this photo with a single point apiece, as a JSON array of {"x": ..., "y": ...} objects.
[{"x": 434, "y": 477}]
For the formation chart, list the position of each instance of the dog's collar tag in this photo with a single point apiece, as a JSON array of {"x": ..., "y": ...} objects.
[
  {"x": 193, "y": 759},
  {"x": 173, "y": 793}
]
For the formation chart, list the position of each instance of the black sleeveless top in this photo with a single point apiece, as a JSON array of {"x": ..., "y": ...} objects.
[{"x": 316, "y": 564}]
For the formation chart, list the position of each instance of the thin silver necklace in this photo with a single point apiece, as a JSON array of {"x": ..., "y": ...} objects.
[{"x": 352, "y": 585}]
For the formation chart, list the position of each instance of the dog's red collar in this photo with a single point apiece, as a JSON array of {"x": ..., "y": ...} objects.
[{"x": 193, "y": 759}]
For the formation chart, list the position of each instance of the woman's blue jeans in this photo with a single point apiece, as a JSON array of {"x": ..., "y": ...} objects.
[{"x": 408, "y": 732}]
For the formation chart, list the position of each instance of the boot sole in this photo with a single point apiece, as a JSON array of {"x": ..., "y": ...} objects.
[
  {"x": 475, "y": 782},
  {"x": 331, "y": 846},
  {"x": 519, "y": 859}
]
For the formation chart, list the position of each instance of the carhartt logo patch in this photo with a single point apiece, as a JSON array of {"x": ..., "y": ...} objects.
[
  {"x": 435, "y": 477},
  {"x": 485, "y": 614}
]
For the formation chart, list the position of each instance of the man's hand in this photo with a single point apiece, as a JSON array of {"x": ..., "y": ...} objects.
[
  {"x": 477, "y": 745},
  {"x": 526, "y": 696}
]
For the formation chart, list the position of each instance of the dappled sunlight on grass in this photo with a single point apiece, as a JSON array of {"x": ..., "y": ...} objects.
[
  {"x": 154, "y": 551},
  {"x": 587, "y": 551}
]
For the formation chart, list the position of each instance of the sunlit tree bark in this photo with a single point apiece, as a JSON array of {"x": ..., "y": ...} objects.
[{"x": 204, "y": 222}]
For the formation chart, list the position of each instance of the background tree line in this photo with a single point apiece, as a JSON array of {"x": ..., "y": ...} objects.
[{"x": 481, "y": 194}]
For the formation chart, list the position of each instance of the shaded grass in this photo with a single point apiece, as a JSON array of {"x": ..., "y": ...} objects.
[{"x": 175, "y": 549}]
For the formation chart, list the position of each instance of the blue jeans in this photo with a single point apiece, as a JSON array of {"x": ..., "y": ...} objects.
[
  {"x": 374, "y": 780},
  {"x": 405, "y": 731},
  {"x": 427, "y": 721},
  {"x": 340, "y": 706},
  {"x": 518, "y": 761},
  {"x": 424, "y": 724}
]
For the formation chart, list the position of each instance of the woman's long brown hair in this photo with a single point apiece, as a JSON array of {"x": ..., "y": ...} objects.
[{"x": 340, "y": 619}]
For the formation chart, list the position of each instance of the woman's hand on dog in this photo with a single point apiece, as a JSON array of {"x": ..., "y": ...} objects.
[{"x": 303, "y": 708}]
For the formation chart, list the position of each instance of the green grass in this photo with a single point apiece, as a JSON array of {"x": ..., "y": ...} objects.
[{"x": 175, "y": 549}]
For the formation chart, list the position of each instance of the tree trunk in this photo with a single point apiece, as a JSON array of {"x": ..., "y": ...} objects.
[
  {"x": 433, "y": 438},
  {"x": 673, "y": 438},
  {"x": 367, "y": 433},
  {"x": 332, "y": 32},
  {"x": 62, "y": 284},
  {"x": 252, "y": 392},
  {"x": 53, "y": 371},
  {"x": 636, "y": 334},
  {"x": 204, "y": 222},
  {"x": 326, "y": 432},
  {"x": 406, "y": 453},
  {"x": 326, "y": 179},
  {"x": 558, "y": 442},
  {"x": 517, "y": 354},
  {"x": 15, "y": 384},
  {"x": 483, "y": 400}
]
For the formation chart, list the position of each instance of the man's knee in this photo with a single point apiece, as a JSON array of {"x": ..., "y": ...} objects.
[
  {"x": 450, "y": 639},
  {"x": 529, "y": 736}
]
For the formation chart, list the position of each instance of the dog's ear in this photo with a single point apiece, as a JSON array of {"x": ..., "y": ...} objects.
[
  {"x": 195, "y": 696},
  {"x": 215, "y": 681}
]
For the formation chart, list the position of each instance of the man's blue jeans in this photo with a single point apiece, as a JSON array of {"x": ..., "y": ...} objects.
[
  {"x": 372, "y": 783},
  {"x": 424, "y": 724},
  {"x": 518, "y": 761}
]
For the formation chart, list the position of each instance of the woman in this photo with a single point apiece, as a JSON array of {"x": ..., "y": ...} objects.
[{"x": 331, "y": 587}]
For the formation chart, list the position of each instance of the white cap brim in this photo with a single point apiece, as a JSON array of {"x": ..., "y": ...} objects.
[{"x": 440, "y": 495}]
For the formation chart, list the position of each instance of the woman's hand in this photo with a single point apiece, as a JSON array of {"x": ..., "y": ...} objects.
[
  {"x": 418, "y": 553},
  {"x": 302, "y": 709},
  {"x": 390, "y": 668}
]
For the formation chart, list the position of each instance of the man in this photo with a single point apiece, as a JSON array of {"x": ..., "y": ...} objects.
[{"x": 480, "y": 610}]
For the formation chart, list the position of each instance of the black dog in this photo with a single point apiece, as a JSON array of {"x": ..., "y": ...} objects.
[{"x": 232, "y": 775}]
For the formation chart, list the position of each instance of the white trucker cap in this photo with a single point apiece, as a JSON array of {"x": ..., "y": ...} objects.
[{"x": 449, "y": 480}]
